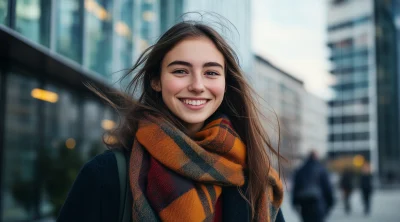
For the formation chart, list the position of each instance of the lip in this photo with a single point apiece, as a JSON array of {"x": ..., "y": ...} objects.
[{"x": 192, "y": 107}]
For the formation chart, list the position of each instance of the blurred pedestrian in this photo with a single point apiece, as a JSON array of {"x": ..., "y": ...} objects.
[
  {"x": 312, "y": 193},
  {"x": 346, "y": 185},
  {"x": 366, "y": 187},
  {"x": 191, "y": 139}
]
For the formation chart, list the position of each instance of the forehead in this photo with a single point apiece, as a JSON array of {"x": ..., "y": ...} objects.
[{"x": 195, "y": 50}]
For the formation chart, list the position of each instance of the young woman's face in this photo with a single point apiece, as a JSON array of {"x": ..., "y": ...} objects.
[{"x": 192, "y": 81}]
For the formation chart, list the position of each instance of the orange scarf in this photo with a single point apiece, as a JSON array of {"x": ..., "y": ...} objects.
[{"x": 177, "y": 178}]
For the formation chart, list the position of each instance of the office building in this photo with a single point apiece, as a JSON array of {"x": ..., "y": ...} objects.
[
  {"x": 302, "y": 116},
  {"x": 364, "y": 112},
  {"x": 50, "y": 123}
]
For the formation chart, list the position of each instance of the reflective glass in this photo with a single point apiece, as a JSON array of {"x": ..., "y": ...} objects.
[
  {"x": 3, "y": 11},
  {"x": 33, "y": 20},
  {"x": 62, "y": 148},
  {"x": 69, "y": 29},
  {"x": 20, "y": 194},
  {"x": 99, "y": 32},
  {"x": 92, "y": 124},
  {"x": 124, "y": 40},
  {"x": 148, "y": 19}
]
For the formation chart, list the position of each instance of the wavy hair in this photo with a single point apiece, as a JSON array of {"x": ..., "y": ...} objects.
[{"x": 238, "y": 103}]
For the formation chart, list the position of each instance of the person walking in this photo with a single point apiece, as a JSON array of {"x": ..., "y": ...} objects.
[
  {"x": 196, "y": 149},
  {"x": 366, "y": 187},
  {"x": 346, "y": 185},
  {"x": 312, "y": 194}
]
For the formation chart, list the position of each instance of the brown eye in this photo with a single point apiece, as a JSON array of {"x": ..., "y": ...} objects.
[
  {"x": 211, "y": 73},
  {"x": 179, "y": 71}
]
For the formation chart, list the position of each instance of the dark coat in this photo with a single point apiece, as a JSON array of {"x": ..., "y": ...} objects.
[
  {"x": 312, "y": 189},
  {"x": 96, "y": 191},
  {"x": 346, "y": 181},
  {"x": 366, "y": 183}
]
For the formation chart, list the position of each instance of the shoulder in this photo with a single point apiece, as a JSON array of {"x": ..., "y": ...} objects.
[
  {"x": 98, "y": 168},
  {"x": 104, "y": 160},
  {"x": 95, "y": 192},
  {"x": 103, "y": 169}
]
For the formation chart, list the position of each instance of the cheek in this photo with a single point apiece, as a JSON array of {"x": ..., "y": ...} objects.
[
  {"x": 218, "y": 90},
  {"x": 171, "y": 86}
]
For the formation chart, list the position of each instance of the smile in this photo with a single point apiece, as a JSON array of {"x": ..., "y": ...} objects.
[{"x": 194, "y": 103}]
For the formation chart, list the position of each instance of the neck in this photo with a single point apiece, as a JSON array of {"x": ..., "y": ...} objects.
[{"x": 194, "y": 128}]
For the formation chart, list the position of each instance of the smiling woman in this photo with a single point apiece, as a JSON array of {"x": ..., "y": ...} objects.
[
  {"x": 192, "y": 81},
  {"x": 196, "y": 149}
]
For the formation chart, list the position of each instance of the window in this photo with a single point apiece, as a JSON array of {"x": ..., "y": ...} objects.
[
  {"x": 92, "y": 122},
  {"x": 21, "y": 141},
  {"x": 99, "y": 33},
  {"x": 349, "y": 24},
  {"x": 348, "y": 136},
  {"x": 349, "y": 119},
  {"x": 69, "y": 29},
  {"x": 3, "y": 11},
  {"x": 124, "y": 36},
  {"x": 33, "y": 20},
  {"x": 148, "y": 17},
  {"x": 351, "y": 86}
]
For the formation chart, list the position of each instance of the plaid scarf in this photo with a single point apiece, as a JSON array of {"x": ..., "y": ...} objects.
[{"x": 177, "y": 178}]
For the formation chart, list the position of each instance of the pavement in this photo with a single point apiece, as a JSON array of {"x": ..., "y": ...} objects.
[{"x": 385, "y": 208}]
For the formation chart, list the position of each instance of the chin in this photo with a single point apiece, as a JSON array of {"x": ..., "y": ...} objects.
[{"x": 193, "y": 119}]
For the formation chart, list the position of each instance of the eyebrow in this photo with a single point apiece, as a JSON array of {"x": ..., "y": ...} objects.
[{"x": 207, "y": 64}]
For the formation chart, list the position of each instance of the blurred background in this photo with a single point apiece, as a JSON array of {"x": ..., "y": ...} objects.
[{"x": 328, "y": 69}]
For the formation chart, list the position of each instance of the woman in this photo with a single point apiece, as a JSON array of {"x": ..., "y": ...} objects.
[{"x": 196, "y": 147}]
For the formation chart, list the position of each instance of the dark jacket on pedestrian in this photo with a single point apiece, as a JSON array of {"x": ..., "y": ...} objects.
[
  {"x": 95, "y": 195},
  {"x": 312, "y": 191},
  {"x": 366, "y": 183},
  {"x": 346, "y": 181}
]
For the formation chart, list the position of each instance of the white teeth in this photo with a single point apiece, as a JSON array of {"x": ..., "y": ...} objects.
[{"x": 194, "y": 102}]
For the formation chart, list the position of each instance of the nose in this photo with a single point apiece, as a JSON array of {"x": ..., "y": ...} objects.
[{"x": 196, "y": 85}]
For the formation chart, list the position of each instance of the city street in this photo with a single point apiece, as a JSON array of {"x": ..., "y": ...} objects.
[{"x": 385, "y": 208}]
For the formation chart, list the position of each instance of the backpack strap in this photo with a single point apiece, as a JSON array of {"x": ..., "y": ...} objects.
[{"x": 125, "y": 206}]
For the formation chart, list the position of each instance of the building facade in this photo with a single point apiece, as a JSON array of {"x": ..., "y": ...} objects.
[
  {"x": 236, "y": 29},
  {"x": 50, "y": 123},
  {"x": 302, "y": 116},
  {"x": 365, "y": 104},
  {"x": 314, "y": 125}
]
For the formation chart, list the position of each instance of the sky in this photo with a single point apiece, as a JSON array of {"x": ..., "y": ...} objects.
[{"x": 292, "y": 35}]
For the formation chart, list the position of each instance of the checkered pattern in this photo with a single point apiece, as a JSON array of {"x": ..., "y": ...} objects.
[{"x": 177, "y": 178}]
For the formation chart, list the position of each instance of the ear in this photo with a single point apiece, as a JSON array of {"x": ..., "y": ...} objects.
[{"x": 156, "y": 85}]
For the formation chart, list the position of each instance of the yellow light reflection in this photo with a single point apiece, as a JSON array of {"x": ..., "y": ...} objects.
[
  {"x": 97, "y": 10},
  {"x": 44, "y": 95},
  {"x": 110, "y": 139},
  {"x": 143, "y": 44},
  {"x": 107, "y": 124},
  {"x": 70, "y": 143},
  {"x": 102, "y": 13},
  {"x": 358, "y": 161},
  {"x": 148, "y": 16},
  {"x": 122, "y": 29},
  {"x": 90, "y": 5}
]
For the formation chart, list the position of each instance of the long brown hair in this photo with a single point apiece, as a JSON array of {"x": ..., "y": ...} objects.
[{"x": 238, "y": 103}]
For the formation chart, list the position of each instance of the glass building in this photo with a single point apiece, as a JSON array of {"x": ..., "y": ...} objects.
[
  {"x": 364, "y": 112},
  {"x": 237, "y": 30},
  {"x": 50, "y": 123}
]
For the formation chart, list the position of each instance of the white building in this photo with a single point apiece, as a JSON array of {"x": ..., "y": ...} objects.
[
  {"x": 302, "y": 116},
  {"x": 314, "y": 126},
  {"x": 362, "y": 41}
]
